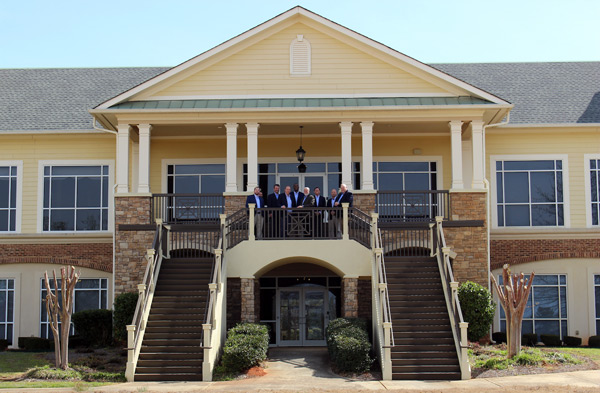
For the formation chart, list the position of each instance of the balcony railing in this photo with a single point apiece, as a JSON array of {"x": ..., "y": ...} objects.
[
  {"x": 187, "y": 208},
  {"x": 412, "y": 206}
]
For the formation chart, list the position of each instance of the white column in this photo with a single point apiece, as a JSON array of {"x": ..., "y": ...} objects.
[
  {"x": 144, "y": 156},
  {"x": 252, "y": 133},
  {"x": 231, "y": 180},
  {"x": 456, "y": 144},
  {"x": 123, "y": 158},
  {"x": 346, "y": 128},
  {"x": 477, "y": 150},
  {"x": 367, "y": 155}
]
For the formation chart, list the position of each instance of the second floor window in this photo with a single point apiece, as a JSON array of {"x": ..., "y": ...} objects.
[
  {"x": 75, "y": 198},
  {"x": 196, "y": 178},
  {"x": 595, "y": 190},
  {"x": 530, "y": 193},
  {"x": 8, "y": 198}
]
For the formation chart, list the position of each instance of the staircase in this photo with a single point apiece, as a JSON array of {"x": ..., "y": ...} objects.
[
  {"x": 424, "y": 345},
  {"x": 172, "y": 344}
]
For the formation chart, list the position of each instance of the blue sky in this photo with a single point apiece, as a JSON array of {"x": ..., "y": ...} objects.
[{"x": 110, "y": 33}]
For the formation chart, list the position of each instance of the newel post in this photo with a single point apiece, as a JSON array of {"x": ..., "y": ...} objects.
[
  {"x": 206, "y": 364},
  {"x": 345, "y": 235},
  {"x": 251, "y": 207},
  {"x": 374, "y": 229},
  {"x": 223, "y": 218},
  {"x": 130, "y": 369},
  {"x": 465, "y": 369},
  {"x": 387, "y": 352}
]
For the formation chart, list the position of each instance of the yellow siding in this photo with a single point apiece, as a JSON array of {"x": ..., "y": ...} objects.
[
  {"x": 32, "y": 148},
  {"x": 573, "y": 142},
  {"x": 264, "y": 68}
]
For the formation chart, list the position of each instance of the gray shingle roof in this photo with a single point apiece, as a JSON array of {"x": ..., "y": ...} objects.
[{"x": 58, "y": 99}]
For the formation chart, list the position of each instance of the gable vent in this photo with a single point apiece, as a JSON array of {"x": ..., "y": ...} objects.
[{"x": 300, "y": 56}]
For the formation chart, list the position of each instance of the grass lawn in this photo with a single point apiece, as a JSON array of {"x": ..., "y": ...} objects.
[
  {"x": 78, "y": 385},
  {"x": 591, "y": 353},
  {"x": 13, "y": 364}
]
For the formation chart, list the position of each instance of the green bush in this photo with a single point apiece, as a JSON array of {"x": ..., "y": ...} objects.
[
  {"x": 529, "y": 339},
  {"x": 551, "y": 340},
  {"x": 94, "y": 326},
  {"x": 571, "y": 341},
  {"x": 499, "y": 337},
  {"x": 35, "y": 343},
  {"x": 349, "y": 332},
  {"x": 125, "y": 305},
  {"x": 348, "y": 344},
  {"x": 3, "y": 345},
  {"x": 594, "y": 342},
  {"x": 478, "y": 309},
  {"x": 246, "y": 346}
]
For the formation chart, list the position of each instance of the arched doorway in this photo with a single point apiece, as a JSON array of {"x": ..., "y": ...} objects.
[{"x": 297, "y": 301}]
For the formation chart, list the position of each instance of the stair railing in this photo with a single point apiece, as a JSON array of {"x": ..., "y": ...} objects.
[
  {"x": 236, "y": 228},
  {"x": 214, "y": 317},
  {"x": 135, "y": 331},
  {"x": 459, "y": 327}
]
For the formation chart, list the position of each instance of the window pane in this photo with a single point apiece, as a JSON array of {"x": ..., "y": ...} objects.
[
  {"x": 199, "y": 169},
  {"x": 10, "y": 306},
  {"x": 105, "y": 192},
  {"x": 416, "y": 181},
  {"x": 87, "y": 300},
  {"x": 500, "y": 216},
  {"x": 266, "y": 168},
  {"x": 563, "y": 302},
  {"x": 76, "y": 170},
  {"x": 559, "y": 187},
  {"x": 390, "y": 182},
  {"x": 4, "y": 170},
  {"x": 542, "y": 187},
  {"x": 500, "y": 188},
  {"x": 528, "y": 165},
  {"x": 89, "y": 192},
  {"x": 545, "y": 279},
  {"x": 4, "y": 220},
  {"x": 594, "y": 186},
  {"x": 268, "y": 304},
  {"x": 542, "y": 215},
  {"x": 3, "y": 306},
  {"x": 187, "y": 184},
  {"x": 63, "y": 192},
  {"x": 87, "y": 283},
  {"x": 527, "y": 327},
  {"x": 213, "y": 184},
  {"x": 546, "y": 302},
  {"x": 88, "y": 219},
  {"x": 334, "y": 167},
  {"x": 597, "y": 293},
  {"x": 104, "y": 219},
  {"x": 9, "y": 334},
  {"x": 46, "y": 192},
  {"x": 287, "y": 168},
  {"x": 13, "y": 192},
  {"x": 333, "y": 181},
  {"x": 547, "y": 327},
  {"x": 315, "y": 167},
  {"x": 62, "y": 220},
  {"x": 403, "y": 166},
  {"x": 516, "y": 187},
  {"x": 4, "y": 186},
  {"x": 528, "y": 309},
  {"x": 517, "y": 215}
]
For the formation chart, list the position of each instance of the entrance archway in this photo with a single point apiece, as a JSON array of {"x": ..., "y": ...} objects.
[{"x": 297, "y": 301}]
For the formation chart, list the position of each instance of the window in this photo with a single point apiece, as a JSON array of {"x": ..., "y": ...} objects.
[
  {"x": 8, "y": 198},
  {"x": 595, "y": 190},
  {"x": 530, "y": 193},
  {"x": 300, "y": 56},
  {"x": 546, "y": 311},
  {"x": 76, "y": 198},
  {"x": 7, "y": 309},
  {"x": 405, "y": 176},
  {"x": 196, "y": 178},
  {"x": 597, "y": 301},
  {"x": 90, "y": 294}
]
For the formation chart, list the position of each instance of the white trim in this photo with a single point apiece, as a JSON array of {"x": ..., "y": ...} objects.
[
  {"x": 592, "y": 300},
  {"x": 40, "y": 193},
  {"x": 588, "y": 188},
  {"x": 25, "y": 132},
  {"x": 19, "y": 201},
  {"x": 16, "y": 276},
  {"x": 531, "y": 157},
  {"x": 546, "y": 125},
  {"x": 277, "y": 96},
  {"x": 288, "y": 15},
  {"x": 185, "y": 161},
  {"x": 310, "y": 136}
]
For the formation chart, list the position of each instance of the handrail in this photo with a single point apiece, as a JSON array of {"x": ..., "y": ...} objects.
[
  {"x": 359, "y": 226},
  {"x": 412, "y": 206},
  {"x": 135, "y": 331},
  {"x": 186, "y": 208},
  {"x": 459, "y": 327},
  {"x": 387, "y": 310}
]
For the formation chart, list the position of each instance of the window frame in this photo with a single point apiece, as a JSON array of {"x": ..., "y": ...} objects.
[
  {"x": 191, "y": 161},
  {"x": 14, "y": 309},
  {"x": 588, "y": 188},
  {"x": 19, "y": 197},
  {"x": 532, "y": 157},
  {"x": 111, "y": 184}
]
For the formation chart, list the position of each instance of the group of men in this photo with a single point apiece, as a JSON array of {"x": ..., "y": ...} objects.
[{"x": 323, "y": 222}]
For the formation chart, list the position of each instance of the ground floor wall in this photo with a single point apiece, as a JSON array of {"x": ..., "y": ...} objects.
[{"x": 28, "y": 310}]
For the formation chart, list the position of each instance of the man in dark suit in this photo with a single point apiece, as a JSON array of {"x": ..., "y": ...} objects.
[
  {"x": 259, "y": 221},
  {"x": 344, "y": 196},
  {"x": 333, "y": 222},
  {"x": 287, "y": 202},
  {"x": 273, "y": 222},
  {"x": 319, "y": 202},
  {"x": 298, "y": 195}
]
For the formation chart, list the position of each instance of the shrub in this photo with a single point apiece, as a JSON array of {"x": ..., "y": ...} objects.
[
  {"x": 3, "y": 345},
  {"x": 551, "y": 340},
  {"x": 478, "y": 309},
  {"x": 529, "y": 339},
  {"x": 594, "y": 342},
  {"x": 499, "y": 337},
  {"x": 34, "y": 343},
  {"x": 125, "y": 305},
  {"x": 246, "y": 346},
  {"x": 47, "y": 372},
  {"x": 348, "y": 344},
  {"x": 350, "y": 332},
  {"x": 94, "y": 326},
  {"x": 571, "y": 341}
]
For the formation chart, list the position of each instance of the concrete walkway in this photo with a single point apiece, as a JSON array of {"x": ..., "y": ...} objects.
[{"x": 307, "y": 370}]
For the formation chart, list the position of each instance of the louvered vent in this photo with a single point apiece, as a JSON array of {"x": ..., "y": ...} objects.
[{"x": 300, "y": 56}]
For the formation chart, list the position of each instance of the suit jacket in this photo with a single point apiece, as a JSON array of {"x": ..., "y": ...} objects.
[
  {"x": 322, "y": 201},
  {"x": 346, "y": 198},
  {"x": 273, "y": 200},
  {"x": 300, "y": 198},
  {"x": 309, "y": 201},
  {"x": 252, "y": 199},
  {"x": 283, "y": 200}
]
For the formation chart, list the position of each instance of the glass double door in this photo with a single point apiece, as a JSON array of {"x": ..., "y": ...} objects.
[
  {"x": 302, "y": 316},
  {"x": 311, "y": 180}
]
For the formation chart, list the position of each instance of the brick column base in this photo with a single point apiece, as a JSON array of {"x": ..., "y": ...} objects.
[
  {"x": 234, "y": 296},
  {"x": 350, "y": 297},
  {"x": 364, "y": 202},
  {"x": 247, "y": 301}
]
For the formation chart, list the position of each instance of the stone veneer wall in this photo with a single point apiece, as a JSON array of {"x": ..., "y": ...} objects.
[
  {"x": 234, "y": 302},
  {"x": 515, "y": 252},
  {"x": 89, "y": 255},
  {"x": 364, "y": 298},
  {"x": 364, "y": 202},
  {"x": 248, "y": 305},
  {"x": 349, "y": 297},
  {"x": 469, "y": 243},
  {"x": 233, "y": 203},
  {"x": 131, "y": 246}
]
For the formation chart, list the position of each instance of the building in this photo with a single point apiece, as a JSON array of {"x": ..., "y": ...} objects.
[{"x": 506, "y": 155}]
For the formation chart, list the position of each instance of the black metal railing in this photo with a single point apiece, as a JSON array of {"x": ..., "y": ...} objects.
[
  {"x": 359, "y": 226},
  {"x": 236, "y": 228},
  {"x": 193, "y": 241},
  {"x": 406, "y": 242},
  {"x": 186, "y": 208},
  {"x": 412, "y": 206},
  {"x": 298, "y": 223}
]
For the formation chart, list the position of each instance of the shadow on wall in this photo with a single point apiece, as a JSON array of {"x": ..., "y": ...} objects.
[{"x": 592, "y": 112}]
